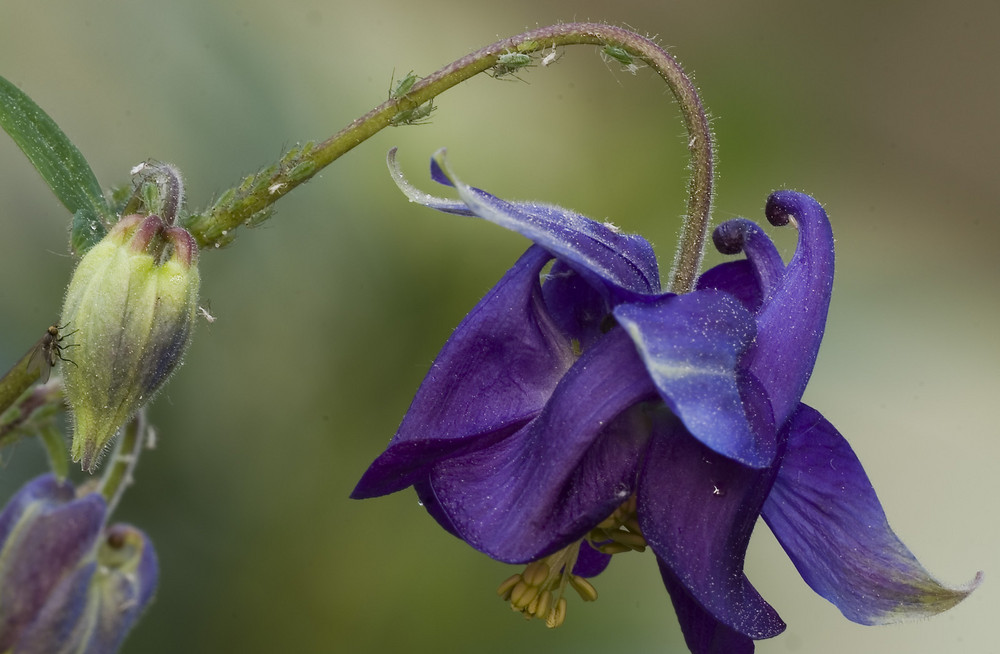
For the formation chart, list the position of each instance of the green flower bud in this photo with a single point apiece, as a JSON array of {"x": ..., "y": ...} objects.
[{"x": 132, "y": 301}]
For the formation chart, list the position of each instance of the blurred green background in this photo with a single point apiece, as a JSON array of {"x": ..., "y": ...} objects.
[{"x": 329, "y": 314}]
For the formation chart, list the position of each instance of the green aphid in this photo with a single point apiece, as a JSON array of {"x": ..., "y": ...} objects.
[
  {"x": 509, "y": 63},
  {"x": 403, "y": 86},
  {"x": 417, "y": 115},
  {"x": 619, "y": 54}
]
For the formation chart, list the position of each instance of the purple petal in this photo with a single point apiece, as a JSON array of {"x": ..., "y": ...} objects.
[
  {"x": 576, "y": 307},
  {"x": 493, "y": 375},
  {"x": 619, "y": 265},
  {"x": 47, "y": 534},
  {"x": 691, "y": 345},
  {"x": 590, "y": 562},
  {"x": 742, "y": 235},
  {"x": 702, "y": 633},
  {"x": 824, "y": 512},
  {"x": 45, "y": 489},
  {"x": 735, "y": 278},
  {"x": 551, "y": 482},
  {"x": 92, "y": 613},
  {"x": 416, "y": 195},
  {"x": 56, "y": 626},
  {"x": 752, "y": 279},
  {"x": 790, "y": 324},
  {"x": 697, "y": 510}
]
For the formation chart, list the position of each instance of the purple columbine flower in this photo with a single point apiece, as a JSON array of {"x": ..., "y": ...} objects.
[
  {"x": 68, "y": 583},
  {"x": 579, "y": 411}
]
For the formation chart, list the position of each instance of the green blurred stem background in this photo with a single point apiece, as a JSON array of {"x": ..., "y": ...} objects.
[{"x": 329, "y": 315}]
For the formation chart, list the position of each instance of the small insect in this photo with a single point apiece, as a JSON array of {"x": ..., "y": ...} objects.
[
  {"x": 48, "y": 351},
  {"x": 509, "y": 63},
  {"x": 203, "y": 312},
  {"x": 419, "y": 114},
  {"x": 552, "y": 57},
  {"x": 620, "y": 55},
  {"x": 403, "y": 86}
]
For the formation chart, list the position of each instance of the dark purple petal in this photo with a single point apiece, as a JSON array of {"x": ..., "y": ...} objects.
[
  {"x": 590, "y": 562},
  {"x": 493, "y": 375},
  {"x": 791, "y": 321},
  {"x": 736, "y": 278},
  {"x": 691, "y": 345},
  {"x": 702, "y": 633},
  {"x": 551, "y": 482},
  {"x": 742, "y": 235},
  {"x": 49, "y": 536},
  {"x": 749, "y": 280},
  {"x": 576, "y": 307},
  {"x": 697, "y": 510},
  {"x": 619, "y": 265},
  {"x": 824, "y": 512}
]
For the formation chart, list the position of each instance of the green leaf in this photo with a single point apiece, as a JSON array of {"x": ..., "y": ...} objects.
[{"x": 59, "y": 163}]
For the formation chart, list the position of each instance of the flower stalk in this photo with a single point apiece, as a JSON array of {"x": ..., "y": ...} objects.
[{"x": 249, "y": 203}]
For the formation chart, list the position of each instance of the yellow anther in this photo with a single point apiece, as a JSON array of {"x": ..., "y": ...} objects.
[
  {"x": 542, "y": 605},
  {"x": 627, "y": 538},
  {"x": 583, "y": 587},
  {"x": 522, "y": 594},
  {"x": 611, "y": 522},
  {"x": 536, "y": 573},
  {"x": 506, "y": 587},
  {"x": 612, "y": 548},
  {"x": 632, "y": 524},
  {"x": 557, "y": 615}
]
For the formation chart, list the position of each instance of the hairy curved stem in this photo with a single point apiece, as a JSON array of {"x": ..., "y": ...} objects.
[
  {"x": 118, "y": 473},
  {"x": 249, "y": 202}
]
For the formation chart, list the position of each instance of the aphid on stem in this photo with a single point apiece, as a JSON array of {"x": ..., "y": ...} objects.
[
  {"x": 620, "y": 55},
  {"x": 510, "y": 62},
  {"x": 415, "y": 116},
  {"x": 552, "y": 57}
]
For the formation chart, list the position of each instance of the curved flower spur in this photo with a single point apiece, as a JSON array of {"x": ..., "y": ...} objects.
[{"x": 580, "y": 412}]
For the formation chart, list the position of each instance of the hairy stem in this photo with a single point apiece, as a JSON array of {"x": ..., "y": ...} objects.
[
  {"x": 249, "y": 202},
  {"x": 118, "y": 474}
]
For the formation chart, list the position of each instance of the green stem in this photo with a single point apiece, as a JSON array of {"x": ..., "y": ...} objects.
[
  {"x": 249, "y": 202},
  {"x": 118, "y": 474},
  {"x": 39, "y": 405},
  {"x": 38, "y": 360}
]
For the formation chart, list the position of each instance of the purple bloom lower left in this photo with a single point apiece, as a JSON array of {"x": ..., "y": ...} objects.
[{"x": 68, "y": 582}]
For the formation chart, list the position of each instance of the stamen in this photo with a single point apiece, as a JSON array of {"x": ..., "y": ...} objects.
[
  {"x": 538, "y": 591},
  {"x": 558, "y": 614},
  {"x": 584, "y": 588}
]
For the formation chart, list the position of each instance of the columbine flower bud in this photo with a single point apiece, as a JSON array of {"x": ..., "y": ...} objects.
[
  {"x": 131, "y": 301},
  {"x": 67, "y": 583}
]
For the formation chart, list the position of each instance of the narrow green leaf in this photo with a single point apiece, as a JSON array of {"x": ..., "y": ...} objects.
[
  {"x": 55, "y": 446},
  {"x": 59, "y": 163}
]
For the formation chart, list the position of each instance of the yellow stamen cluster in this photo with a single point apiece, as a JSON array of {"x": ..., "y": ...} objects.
[
  {"x": 619, "y": 532},
  {"x": 538, "y": 591}
]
